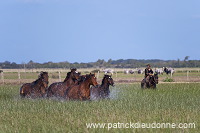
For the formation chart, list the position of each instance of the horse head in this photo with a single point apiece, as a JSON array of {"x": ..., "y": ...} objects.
[
  {"x": 92, "y": 78},
  {"x": 109, "y": 79},
  {"x": 42, "y": 82},
  {"x": 74, "y": 74},
  {"x": 44, "y": 78}
]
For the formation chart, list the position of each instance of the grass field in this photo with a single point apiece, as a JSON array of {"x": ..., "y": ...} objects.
[{"x": 170, "y": 103}]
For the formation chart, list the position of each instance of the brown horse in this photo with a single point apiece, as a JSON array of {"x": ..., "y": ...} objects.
[
  {"x": 37, "y": 88},
  {"x": 102, "y": 91},
  {"x": 58, "y": 89},
  {"x": 153, "y": 80},
  {"x": 82, "y": 91}
]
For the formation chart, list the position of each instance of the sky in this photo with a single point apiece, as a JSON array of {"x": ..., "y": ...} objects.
[{"x": 88, "y": 30}]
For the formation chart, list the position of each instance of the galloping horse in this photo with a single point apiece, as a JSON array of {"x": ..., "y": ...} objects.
[
  {"x": 37, "y": 88},
  {"x": 58, "y": 89},
  {"x": 102, "y": 91},
  {"x": 153, "y": 80},
  {"x": 82, "y": 91}
]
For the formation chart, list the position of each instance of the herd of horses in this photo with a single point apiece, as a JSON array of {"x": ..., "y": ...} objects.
[
  {"x": 141, "y": 71},
  {"x": 75, "y": 86}
]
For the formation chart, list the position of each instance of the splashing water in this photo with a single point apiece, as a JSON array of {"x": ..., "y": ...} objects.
[
  {"x": 93, "y": 97},
  {"x": 114, "y": 93}
]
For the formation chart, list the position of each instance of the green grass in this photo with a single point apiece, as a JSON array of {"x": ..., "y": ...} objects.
[
  {"x": 170, "y": 103},
  {"x": 168, "y": 80}
]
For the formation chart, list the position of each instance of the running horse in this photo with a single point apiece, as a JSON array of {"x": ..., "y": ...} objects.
[
  {"x": 82, "y": 90},
  {"x": 102, "y": 91},
  {"x": 58, "y": 89},
  {"x": 37, "y": 88},
  {"x": 153, "y": 80}
]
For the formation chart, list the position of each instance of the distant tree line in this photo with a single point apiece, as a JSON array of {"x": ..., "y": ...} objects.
[{"x": 121, "y": 63}]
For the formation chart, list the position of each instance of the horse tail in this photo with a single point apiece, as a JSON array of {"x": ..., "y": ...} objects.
[
  {"x": 22, "y": 94},
  {"x": 49, "y": 91}
]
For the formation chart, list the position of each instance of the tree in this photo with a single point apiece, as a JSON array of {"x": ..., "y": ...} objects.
[{"x": 186, "y": 58}]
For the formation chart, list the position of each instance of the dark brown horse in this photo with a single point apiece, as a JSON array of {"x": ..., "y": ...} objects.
[
  {"x": 102, "y": 91},
  {"x": 153, "y": 80},
  {"x": 82, "y": 91},
  {"x": 37, "y": 88},
  {"x": 58, "y": 89}
]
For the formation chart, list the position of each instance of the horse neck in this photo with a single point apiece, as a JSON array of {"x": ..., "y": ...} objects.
[
  {"x": 104, "y": 84},
  {"x": 69, "y": 81},
  {"x": 66, "y": 79},
  {"x": 86, "y": 84},
  {"x": 38, "y": 83},
  {"x": 152, "y": 80}
]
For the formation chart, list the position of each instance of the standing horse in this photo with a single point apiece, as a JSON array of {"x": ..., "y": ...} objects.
[
  {"x": 58, "y": 89},
  {"x": 37, "y": 88},
  {"x": 140, "y": 71},
  {"x": 108, "y": 71},
  {"x": 159, "y": 71},
  {"x": 82, "y": 91},
  {"x": 168, "y": 70},
  {"x": 153, "y": 80},
  {"x": 102, "y": 91}
]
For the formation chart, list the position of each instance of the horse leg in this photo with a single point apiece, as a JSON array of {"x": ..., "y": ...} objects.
[
  {"x": 81, "y": 98},
  {"x": 154, "y": 86},
  {"x": 22, "y": 95},
  {"x": 142, "y": 85},
  {"x": 49, "y": 93}
]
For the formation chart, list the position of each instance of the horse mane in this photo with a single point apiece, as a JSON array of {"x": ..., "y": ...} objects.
[
  {"x": 39, "y": 77},
  {"x": 103, "y": 80},
  {"x": 36, "y": 81},
  {"x": 69, "y": 73},
  {"x": 82, "y": 78},
  {"x": 85, "y": 77},
  {"x": 68, "y": 76}
]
